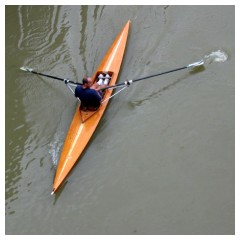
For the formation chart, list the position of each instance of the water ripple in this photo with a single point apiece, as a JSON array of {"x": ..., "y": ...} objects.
[
  {"x": 39, "y": 33},
  {"x": 37, "y": 36}
]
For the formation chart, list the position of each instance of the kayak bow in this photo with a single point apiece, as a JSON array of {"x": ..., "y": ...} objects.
[{"x": 84, "y": 121}]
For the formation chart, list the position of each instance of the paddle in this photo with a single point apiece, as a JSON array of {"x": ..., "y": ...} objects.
[
  {"x": 26, "y": 69},
  {"x": 129, "y": 82}
]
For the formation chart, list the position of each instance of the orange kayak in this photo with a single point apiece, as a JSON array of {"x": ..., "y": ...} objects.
[{"x": 84, "y": 121}]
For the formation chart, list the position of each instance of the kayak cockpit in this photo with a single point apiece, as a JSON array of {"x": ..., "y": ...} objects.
[{"x": 100, "y": 76}]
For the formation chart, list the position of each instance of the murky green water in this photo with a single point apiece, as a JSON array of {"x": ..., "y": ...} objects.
[{"x": 162, "y": 159}]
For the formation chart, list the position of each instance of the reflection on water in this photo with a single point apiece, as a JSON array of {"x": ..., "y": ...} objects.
[{"x": 38, "y": 35}]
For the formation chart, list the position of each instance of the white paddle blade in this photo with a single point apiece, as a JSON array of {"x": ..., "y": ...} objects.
[
  {"x": 196, "y": 64},
  {"x": 26, "y": 69}
]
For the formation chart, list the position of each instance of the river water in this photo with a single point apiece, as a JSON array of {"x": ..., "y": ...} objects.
[{"x": 162, "y": 159}]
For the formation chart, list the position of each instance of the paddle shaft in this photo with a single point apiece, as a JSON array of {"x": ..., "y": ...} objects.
[
  {"x": 143, "y": 78},
  {"x": 126, "y": 83},
  {"x": 158, "y": 74},
  {"x": 53, "y": 77}
]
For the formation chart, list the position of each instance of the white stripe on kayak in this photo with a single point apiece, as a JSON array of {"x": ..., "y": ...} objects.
[{"x": 113, "y": 55}]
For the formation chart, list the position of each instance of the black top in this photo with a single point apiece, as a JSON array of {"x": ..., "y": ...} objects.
[{"x": 89, "y": 97}]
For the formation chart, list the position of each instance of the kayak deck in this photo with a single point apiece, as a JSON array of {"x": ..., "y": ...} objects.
[{"x": 85, "y": 122}]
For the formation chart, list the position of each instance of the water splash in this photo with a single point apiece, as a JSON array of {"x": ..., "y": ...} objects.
[
  {"x": 218, "y": 56},
  {"x": 55, "y": 148}
]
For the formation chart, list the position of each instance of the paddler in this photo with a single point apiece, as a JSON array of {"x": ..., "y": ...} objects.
[{"x": 90, "y": 94}]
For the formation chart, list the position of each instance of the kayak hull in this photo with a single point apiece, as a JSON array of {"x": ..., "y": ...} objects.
[{"x": 84, "y": 123}]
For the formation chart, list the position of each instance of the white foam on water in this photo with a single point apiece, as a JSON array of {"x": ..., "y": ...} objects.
[
  {"x": 55, "y": 148},
  {"x": 218, "y": 56}
]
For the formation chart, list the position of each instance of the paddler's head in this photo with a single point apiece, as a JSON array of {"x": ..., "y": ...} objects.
[{"x": 87, "y": 82}]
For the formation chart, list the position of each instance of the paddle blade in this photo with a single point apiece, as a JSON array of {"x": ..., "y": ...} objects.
[
  {"x": 26, "y": 69},
  {"x": 196, "y": 64}
]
